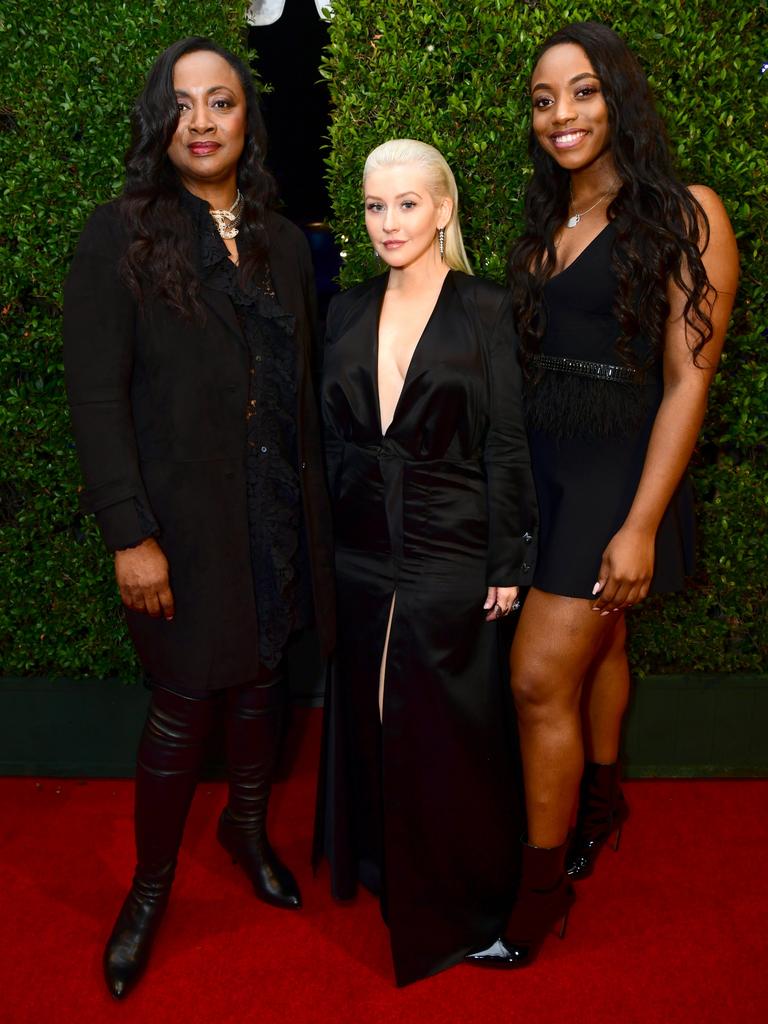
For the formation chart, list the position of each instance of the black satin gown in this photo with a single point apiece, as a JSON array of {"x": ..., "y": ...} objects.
[{"x": 424, "y": 808}]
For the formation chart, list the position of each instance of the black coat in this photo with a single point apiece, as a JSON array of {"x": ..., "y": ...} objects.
[
  {"x": 158, "y": 411},
  {"x": 434, "y": 510}
]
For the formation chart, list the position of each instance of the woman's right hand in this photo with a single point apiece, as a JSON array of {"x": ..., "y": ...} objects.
[
  {"x": 626, "y": 570},
  {"x": 142, "y": 577}
]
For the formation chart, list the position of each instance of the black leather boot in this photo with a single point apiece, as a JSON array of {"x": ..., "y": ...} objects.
[
  {"x": 544, "y": 897},
  {"x": 127, "y": 951},
  {"x": 602, "y": 811},
  {"x": 166, "y": 774},
  {"x": 253, "y": 733}
]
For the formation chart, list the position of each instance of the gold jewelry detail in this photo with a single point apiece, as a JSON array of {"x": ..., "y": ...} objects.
[{"x": 228, "y": 221}]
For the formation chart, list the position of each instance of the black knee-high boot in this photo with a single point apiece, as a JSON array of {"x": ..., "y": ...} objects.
[
  {"x": 253, "y": 732},
  {"x": 166, "y": 774}
]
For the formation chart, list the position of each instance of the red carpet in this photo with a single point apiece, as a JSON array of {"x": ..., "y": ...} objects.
[{"x": 671, "y": 929}]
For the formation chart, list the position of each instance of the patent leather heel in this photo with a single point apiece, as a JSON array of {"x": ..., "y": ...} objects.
[
  {"x": 544, "y": 898},
  {"x": 602, "y": 813}
]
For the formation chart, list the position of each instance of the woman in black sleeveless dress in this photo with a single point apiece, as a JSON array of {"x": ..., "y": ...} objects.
[{"x": 622, "y": 287}]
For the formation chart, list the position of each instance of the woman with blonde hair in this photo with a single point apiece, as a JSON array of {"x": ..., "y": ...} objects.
[{"x": 434, "y": 520}]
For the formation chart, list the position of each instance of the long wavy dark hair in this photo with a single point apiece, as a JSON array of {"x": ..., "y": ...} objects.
[
  {"x": 160, "y": 256},
  {"x": 660, "y": 227}
]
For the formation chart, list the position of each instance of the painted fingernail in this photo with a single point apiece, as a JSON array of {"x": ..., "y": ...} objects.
[
  {"x": 606, "y": 612},
  {"x": 596, "y": 587}
]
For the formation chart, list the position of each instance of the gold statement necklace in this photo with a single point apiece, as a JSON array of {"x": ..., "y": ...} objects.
[{"x": 228, "y": 221}]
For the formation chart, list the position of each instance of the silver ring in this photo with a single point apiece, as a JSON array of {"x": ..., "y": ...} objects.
[{"x": 516, "y": 605}]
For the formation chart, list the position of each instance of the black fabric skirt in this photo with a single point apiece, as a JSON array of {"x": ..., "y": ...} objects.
[{"x": 585, "y": 488}]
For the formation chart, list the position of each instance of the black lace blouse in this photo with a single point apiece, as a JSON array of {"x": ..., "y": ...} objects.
[{"x": 279, "y": 557}]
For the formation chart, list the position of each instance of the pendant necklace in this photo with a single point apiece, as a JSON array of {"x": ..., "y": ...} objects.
[
  {"x": 576, "y": 217},
  {"x": 228, "y": 221}
]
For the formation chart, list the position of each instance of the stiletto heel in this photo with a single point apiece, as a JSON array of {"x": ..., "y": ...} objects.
[
  {"x": 617, "y": 840},
  {"x": 602, "y": 812}
]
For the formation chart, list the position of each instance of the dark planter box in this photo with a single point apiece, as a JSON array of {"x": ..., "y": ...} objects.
[{"x": 678, "y": 726}]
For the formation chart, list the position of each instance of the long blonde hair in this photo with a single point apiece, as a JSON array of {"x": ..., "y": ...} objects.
[{"x": 440, "y": 182}]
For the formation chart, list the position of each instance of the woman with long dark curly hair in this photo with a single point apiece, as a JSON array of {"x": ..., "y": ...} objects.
[
  {"x": 623, "y": 283},
  {"x": 189, "y": 311}
]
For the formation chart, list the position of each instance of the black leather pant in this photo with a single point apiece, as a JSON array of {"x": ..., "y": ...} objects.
[{"x": 170, "y": 754}]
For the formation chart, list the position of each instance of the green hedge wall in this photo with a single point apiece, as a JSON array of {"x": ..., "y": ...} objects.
[
  {"x": 455, "y": 74},
  {"x": 68, "y": 77}
]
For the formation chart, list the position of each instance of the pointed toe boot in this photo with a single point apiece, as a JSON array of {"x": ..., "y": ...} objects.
[
  {"x": 544, "y": 898},
  {"x": 602, "y": 812},
  {"x": 127, "y": 951}
]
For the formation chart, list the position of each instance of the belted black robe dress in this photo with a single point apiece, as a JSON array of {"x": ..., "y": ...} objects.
[{"x": 421, "y": 806}]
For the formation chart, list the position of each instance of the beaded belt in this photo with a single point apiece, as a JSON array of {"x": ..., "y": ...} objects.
[{"x": 584, "y": 367}]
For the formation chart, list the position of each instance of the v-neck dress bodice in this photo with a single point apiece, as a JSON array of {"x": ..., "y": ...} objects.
[
  {"x": 377, "y": 370},
  {"x": 434, "y": 510},
  {"x": 438, "y": 434},
  {"x": 590, "y": 417}
]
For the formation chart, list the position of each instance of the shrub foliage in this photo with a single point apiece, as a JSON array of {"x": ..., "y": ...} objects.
[
  {"x": 455, "y": 74},
  {"x": 451, "y": 72}
]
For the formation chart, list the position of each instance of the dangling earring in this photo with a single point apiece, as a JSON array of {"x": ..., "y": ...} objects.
[
  {"x": 376, "y": 254},
  {"x": 441, "y": 242}
]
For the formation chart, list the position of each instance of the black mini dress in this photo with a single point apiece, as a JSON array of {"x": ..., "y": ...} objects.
[{"x": 589, "y": 418}]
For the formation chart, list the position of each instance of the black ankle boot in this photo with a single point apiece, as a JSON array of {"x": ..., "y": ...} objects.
[
  {"x": 544, "y": 897},
  {"x": 254, "y": 729},
  {"x": 248, "y": 845},
  {"x": 127, "y": 951},
  {"x": 602, "y": 811}
]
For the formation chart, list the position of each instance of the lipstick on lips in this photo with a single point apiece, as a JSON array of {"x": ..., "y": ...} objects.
[
  {"x": 393, "y": 243},
  {"x": 203, "y": 148}
]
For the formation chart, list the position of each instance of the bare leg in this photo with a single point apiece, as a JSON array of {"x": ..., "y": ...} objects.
[
  {"x": 383, "y": 666},
  {"x": 555, "y": 644},
  {"x": 605, "y": 697}
]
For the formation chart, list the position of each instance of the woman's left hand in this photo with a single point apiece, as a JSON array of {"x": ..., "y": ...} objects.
[
  {"x": 626, "y": 570},
  {"x": 499, "y": 602}
]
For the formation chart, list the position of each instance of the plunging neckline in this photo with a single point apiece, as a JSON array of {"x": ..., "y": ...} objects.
[
  {"x": 416, "y": 347},
  {"x": 586, "y": 248}
]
